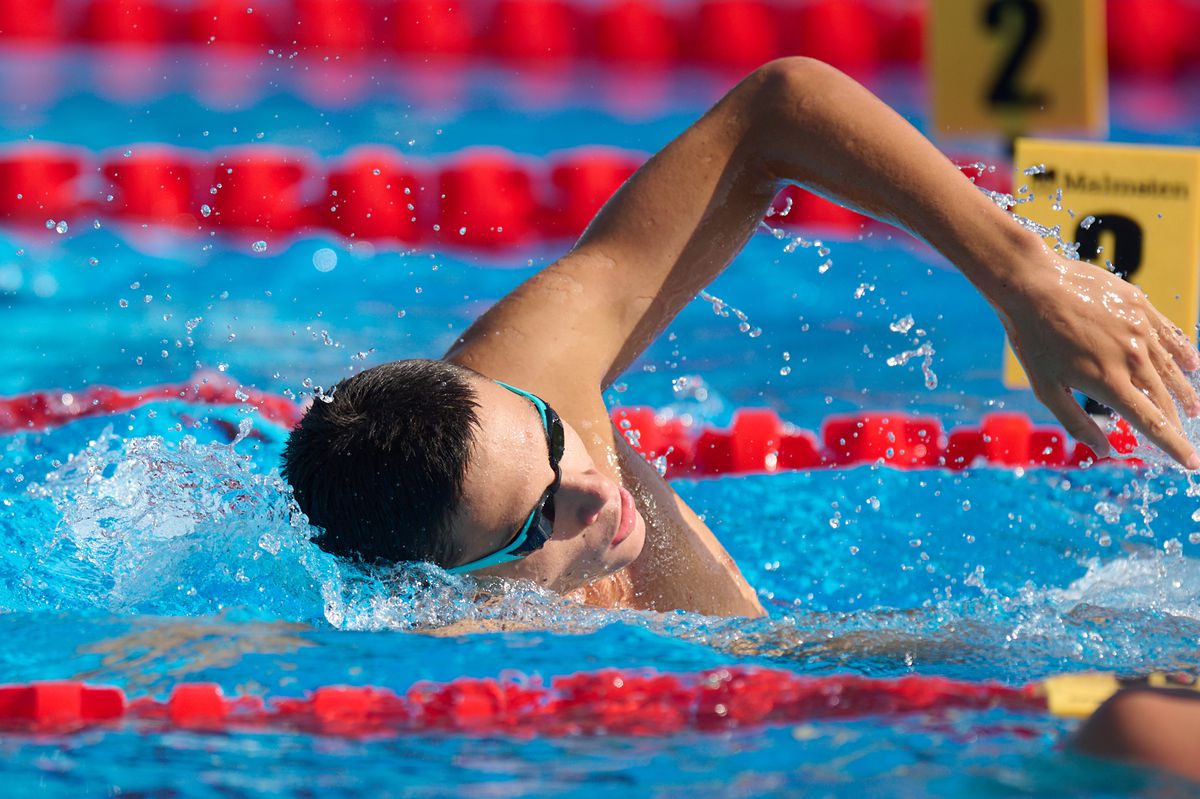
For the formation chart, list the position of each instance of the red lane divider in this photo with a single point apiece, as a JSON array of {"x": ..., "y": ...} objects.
[
  {"x": 482, "y": 197},
  {"x": 1145, "y": 37},
  {"x": 607, "y": 702},
  {"x": 757, "y": 441},
  {"x": 41, "y": 410},
  {"x": 853, "y": 34}
]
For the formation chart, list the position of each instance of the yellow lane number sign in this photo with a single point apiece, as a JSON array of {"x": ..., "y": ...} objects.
[
  {"x": 1014, "y": 67},
  {"x": 1132, "y": 209}
]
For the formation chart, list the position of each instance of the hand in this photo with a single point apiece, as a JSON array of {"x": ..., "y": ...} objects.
[{"x": 1075, "y": 325}]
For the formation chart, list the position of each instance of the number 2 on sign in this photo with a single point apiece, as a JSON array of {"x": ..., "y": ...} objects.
[
  {"x": 1005, "y": 89},
  {"x": 1017, "y": 66}
]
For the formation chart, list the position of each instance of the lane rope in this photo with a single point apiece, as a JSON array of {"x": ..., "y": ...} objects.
[
  {"x": 608, "y": 702},
  {"x": 756, "y": 441},
  {"x": 1146, "y": 38}
]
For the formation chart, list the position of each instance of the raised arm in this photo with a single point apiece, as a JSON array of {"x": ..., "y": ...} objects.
[{"x": 685, "y": 214}]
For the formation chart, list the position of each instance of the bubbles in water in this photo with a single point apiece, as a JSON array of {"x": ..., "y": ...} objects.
[
  {"x": 324, "y": 260},
  {"x": 205, "y": 210},
  {"x": 259, "y": 246}
]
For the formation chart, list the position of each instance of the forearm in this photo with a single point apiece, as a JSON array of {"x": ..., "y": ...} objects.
[
  {"x": 677, "y": 223},
  {"x": 817, "y": 127}
]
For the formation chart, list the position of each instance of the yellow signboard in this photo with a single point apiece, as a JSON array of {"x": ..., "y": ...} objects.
[
  {"x": 1134, "y": 209},
  {"x": 1018, "y": 66}
]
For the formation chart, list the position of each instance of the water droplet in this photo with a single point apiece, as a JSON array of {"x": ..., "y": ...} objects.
[
  {"x": 61, "y": 227},
  {"x": 324, "y": 260},
  {"x": 206, "y": 210},
  {"x": 259, "y": 246}
]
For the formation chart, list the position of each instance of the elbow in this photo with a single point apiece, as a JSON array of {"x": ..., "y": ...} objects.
[
  {"x": 789, "y": 96},
  {"x": 787, "y": 82}
]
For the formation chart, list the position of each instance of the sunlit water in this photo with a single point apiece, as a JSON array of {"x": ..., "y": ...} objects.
[
  {"x": 142, "y": 549},
  {"x": 139, "y": 555}
]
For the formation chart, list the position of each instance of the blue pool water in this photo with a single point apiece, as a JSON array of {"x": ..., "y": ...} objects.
[{"x": 142, "y": 549}]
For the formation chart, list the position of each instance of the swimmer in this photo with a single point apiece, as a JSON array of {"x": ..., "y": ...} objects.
[
  {"x": 1147, "y": 726},
  {"x": 500, "y": 459}
]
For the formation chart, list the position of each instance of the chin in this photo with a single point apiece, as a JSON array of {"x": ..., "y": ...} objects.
[{"x": 628, "y": 550}]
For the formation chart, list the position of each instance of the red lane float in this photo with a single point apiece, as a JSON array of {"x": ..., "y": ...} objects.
[
  {"x": 156, "y": 184},
  {"x": 757, "y": 441},
  {"x": 437, "y": 28},
  {"x": 1145, "y": 37},
  {"x": 484, "y": 198},
  {"x": 734, "y": 34},
  {"x": 487, "y": 199},
  {"x": 533, "y": 31},
  {"x": 721, "y": 33},
  {"x": 372, "y": 195},
  {"x": 261, "y": 188},
  {"x": 608, "y": 702},
  {"x": 43, "y": 410},
  {"x": 228, "y": 24},
  {"x": 40, "y": 181},
  {"x": 636, "y": 32}
]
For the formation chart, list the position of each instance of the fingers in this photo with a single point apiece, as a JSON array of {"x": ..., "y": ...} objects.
[
  {"x": 1079, "y": 425},
  {"x": 1176, "y": 342},
  {"x": 1177, "y": 383},
  {"x": 1150, "y": 421},
  {"x": 1152, "y": 386}
]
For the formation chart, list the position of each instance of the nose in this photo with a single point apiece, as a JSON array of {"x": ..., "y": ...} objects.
[{"x": 580, "y": 500}]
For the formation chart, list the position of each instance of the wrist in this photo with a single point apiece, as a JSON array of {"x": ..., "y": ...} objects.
[{"x": 1006, "y": 262}]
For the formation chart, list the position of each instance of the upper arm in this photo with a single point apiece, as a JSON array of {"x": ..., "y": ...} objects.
[{"x": 663, "y": 236}]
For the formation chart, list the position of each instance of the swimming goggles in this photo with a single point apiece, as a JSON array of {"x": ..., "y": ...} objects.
[{"x": 540, "y": 525}]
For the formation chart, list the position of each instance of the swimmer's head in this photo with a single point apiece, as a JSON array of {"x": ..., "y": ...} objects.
[{"x": 429, "y": 461}]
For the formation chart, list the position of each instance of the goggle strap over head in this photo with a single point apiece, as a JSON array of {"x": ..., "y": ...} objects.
[
  {"x": 503, "y": 556},
  {"x": 506, "y": 555}
]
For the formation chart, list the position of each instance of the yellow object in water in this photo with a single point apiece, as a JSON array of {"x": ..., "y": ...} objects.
[{"x": 1078, "y": 695}]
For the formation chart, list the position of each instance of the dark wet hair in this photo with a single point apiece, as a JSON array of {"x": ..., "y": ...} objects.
[{"x": 380, "y": 468}]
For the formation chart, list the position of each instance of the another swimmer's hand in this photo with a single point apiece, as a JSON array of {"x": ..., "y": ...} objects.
[{"x": 1075, "y": 325}]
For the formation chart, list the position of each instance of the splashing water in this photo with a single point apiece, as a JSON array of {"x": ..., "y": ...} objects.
[
  {"x": 722, "y": 308},
  {"x": 924, "y": 350}
]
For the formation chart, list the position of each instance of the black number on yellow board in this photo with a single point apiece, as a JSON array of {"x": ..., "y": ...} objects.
[
  {"x": 1122, "y": 239},
  {"x": 1027, "y": 15}
]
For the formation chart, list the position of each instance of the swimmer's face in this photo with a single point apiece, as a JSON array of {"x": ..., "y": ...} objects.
[{"x": 510, "y": 471}]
